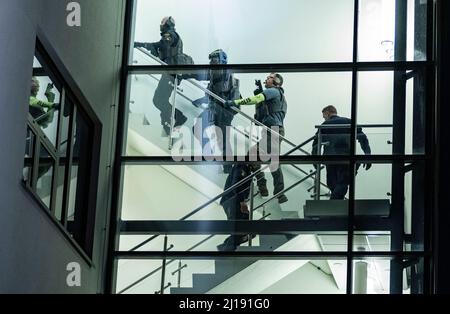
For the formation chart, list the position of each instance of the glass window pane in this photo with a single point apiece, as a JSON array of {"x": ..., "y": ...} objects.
[
  {"x": 36, "y": 63},
  {"x": 374, "y": 276},
  {"x": 60, "y": 190},
  {"x": 29, "y": 155},
  {"x": 150, "y": 113},
  {"x": 298, "y": 31},
  {"x": 375, "y": 111},
  {"x": 371, "y": 276},
  {"x": 44, "y": 106},
  {"x": 377, "y": 30},
  {"x": 79, "y": 183},
  {"x": 225, "y": 276},
  {"x": 374, "y": 201},
  {"x": 45, "y": 176}
]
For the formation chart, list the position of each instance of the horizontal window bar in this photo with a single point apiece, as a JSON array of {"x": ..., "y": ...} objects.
[
  {"x": 283, "y": 67},
  {"x": 336, "y": 224},
  {"x": 270, "y": 255},
  {"x": 324, "y": 159}
]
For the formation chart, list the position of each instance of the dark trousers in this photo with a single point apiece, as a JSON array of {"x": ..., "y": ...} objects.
[
  {"x": 338, "y": 179},
  {"x": 222, "y": 120},
  {"x": 277, "y": 175},
  {"x": 161, "y": 100},
  {"x": 234, "y": 213}
]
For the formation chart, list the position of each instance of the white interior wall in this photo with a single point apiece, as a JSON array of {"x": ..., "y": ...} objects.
[{"x": 255, "y": 31}]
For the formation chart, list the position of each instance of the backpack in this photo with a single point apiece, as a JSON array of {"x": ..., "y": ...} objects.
[{"x": 185, "y": 59}]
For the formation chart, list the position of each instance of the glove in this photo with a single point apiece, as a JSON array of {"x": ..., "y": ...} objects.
[
  {"x": 49, "y": 94},
  {"x": 259, "y": 88}
]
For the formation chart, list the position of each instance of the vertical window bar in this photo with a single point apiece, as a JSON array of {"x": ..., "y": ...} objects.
[
  {"x": 398, "y": 138},
  {"x": 58, "y": 154},
  {"x": 36, "y": 155},
  {"x": 430, "y": 111},
  {"x": 68, "y": 172},
  {"x": 114, "y": 229},
  {"x": 32, "y": 151},
  {"x": 351, "y": 206}
]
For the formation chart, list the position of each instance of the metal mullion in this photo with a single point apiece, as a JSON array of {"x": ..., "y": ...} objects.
[
  {"x": 113, "y": 236},
  {"x": 294, "y": 159},
  {"x": 57, "y": 159},
  {"x": 36, "y": 154},
  {"x": 351, "y": 167},
  {"x": 398, "y": 138},
  {"x": 266, "y": 255},
  {"x": 278, "y": 67},
  {"x": 430, "y": 150},
  {"x": 68, "y": 172}
]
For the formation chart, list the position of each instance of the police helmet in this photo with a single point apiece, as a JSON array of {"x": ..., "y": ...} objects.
[
  {"x": 167, "y": 24},
  {"x": 218, "y": 57}
]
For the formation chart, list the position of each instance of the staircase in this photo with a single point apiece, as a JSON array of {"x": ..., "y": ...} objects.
[
  {"x": 224, "y": 275},
  {"x": 228, "y": 273}
]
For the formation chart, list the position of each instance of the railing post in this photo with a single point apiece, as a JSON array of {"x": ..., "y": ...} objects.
[
  {"x": 317, "y": 179},
  {"x": 163, "y": 266},
  {"x": 251, "y": 136},
  {"x": 179, "y": 274},
  {"x": 172, "y": 116},
  {"x": 250, "y": 216}
]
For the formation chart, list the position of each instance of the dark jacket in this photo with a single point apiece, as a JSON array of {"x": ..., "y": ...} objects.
[
  {"x": 170, "y": 52},
  {"x": 231, "y": 200},
  {"x": 337, "y": 140},
  {"x": 272, "y": 111}
]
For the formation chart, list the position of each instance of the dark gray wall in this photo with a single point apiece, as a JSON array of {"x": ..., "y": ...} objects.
[{"x": 33, "y": 252}]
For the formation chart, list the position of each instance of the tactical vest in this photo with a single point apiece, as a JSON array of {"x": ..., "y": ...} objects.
[
  {"x": 173, "y": 53},
  {"x": 225, "y": 86},
  {"x": 269, "y": 109}
]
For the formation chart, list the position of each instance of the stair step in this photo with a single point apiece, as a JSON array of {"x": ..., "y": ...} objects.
[
  {"x": 335, "y": 208},
  {"x": 183, "y": 291},
  {"x": 271, "y": 242},
  {"x": 225, "y": 269}
]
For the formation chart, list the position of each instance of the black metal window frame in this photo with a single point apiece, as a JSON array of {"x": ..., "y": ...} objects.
[
  {"x": 77, "y": 105},
  {"x": 398, "y": 160}
]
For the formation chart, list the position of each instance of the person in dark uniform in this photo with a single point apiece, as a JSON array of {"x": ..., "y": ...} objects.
[
  {"x": 170, "y": 50},
  {"x": 337, "y": 142},
  {"x": 234, "y": 203},
  {"x": 223, "y": 84},
  {"x": 271, "y": 109}
]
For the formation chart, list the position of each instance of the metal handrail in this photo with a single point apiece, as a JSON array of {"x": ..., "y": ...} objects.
[
  {"x": 45, "y": 115},
  {"x": 173, "y": 260},
  {"x": 250, "y": 177},
  {"x": 222, "y": 101},
  {"x": 345, "y": 126}
]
